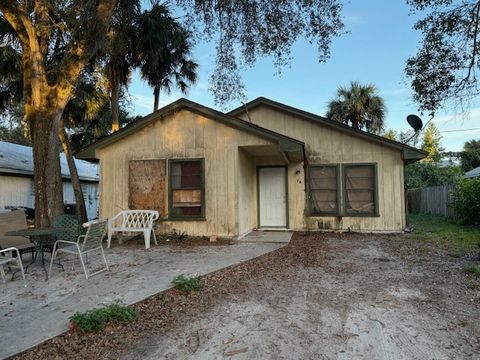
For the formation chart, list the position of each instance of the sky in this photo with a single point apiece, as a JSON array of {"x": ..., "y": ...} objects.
[{"x": 380, "y": 39}]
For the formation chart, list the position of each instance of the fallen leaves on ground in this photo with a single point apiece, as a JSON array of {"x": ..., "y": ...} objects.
[{"x": 173, "y": 308}]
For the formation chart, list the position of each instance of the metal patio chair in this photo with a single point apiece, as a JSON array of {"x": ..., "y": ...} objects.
[
  {"x": 15, "y": 220},
  {"x": 91, "y": 241},
  {"x": 71, "y": 225},
  {"x": 8, "y": 259}
]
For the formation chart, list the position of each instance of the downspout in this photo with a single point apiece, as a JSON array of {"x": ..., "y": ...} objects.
[{"x": 405, "y": 193}]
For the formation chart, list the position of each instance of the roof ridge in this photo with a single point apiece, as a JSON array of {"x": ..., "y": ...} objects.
[{"x": 318, "y": 118}]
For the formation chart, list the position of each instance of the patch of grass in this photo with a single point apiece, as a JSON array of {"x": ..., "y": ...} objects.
[
  {"x": 472, "y": 269},
  {"x": 456, "y": 238},
  {"x": 95, "y": 320},
  {"x": 186, "y": 283}
]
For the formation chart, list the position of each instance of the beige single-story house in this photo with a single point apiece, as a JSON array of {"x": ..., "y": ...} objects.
[{"x": 263, "y": 165}]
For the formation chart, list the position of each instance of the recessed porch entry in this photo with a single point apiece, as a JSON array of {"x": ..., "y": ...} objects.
[{"x": 272, "y": 196}]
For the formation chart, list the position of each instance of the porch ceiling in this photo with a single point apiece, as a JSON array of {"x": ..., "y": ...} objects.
[{"x": 292, "y": 155}]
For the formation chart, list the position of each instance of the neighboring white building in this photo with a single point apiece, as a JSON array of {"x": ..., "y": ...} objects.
[
  {"x": 16, "y": 179},
  {"x": 473, "y": 173}
]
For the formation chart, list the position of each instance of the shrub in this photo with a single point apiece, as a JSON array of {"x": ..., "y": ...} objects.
[
  {"x": 185, "y": 283},
  {"x": 95, "y": 320},
  {"x": 473, "y": 269},
  {"x": 467, "y": 200},
  {"x": 422, "y": 174}
]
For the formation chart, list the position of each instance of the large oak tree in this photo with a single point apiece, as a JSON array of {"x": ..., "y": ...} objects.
[
  {"x": 445, "y": 69},
  {"x": 39, "y": 26}
]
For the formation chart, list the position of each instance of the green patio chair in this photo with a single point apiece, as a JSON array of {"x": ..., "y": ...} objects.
[
  {"x": 71, "y": 224},
  {"x": 91, "y": 241}
]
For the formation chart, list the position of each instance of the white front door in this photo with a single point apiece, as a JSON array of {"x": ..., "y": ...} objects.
[{"x": 272, "y": 196}]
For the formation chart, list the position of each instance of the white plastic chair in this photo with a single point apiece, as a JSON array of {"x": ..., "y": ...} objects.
[
  {"x": 89, "y": 242},
  {"x": 5, "y": 258}
]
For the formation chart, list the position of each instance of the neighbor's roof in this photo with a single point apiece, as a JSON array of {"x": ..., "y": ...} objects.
[
  {"x": 409, "y": 152},
  {"x": 473, "y": 173},
  {"x": 286, "y": 144},
  {"x": 18, "y": 159}
]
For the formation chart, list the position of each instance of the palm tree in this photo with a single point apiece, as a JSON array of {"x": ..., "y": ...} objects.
[
  {"x": 359, "y": 105},
  {"x": 120, "y": 53},
  {"x": 164, "y": 48}
]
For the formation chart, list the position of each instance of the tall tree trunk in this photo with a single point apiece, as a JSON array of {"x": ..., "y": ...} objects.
[
  {"x": 156, "y": 97},
  {"x": 114, "y": 99},
  {"x": 46, "y": 164},
  {"x": 76, "y": 185}
]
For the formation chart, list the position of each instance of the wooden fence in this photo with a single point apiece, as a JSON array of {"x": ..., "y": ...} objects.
[{"x": 435, "y": 200}]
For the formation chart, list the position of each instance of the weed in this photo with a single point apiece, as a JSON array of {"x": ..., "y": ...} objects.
[
  {"x": 95, "y": 320},
  {"x": 456, "y": 238},
  {"x": 472, "y": 269},
  {"x": 185, "y": 283}
]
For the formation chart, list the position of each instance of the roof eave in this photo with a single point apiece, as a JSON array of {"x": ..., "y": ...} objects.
[
  {"x": 285, "y": 142},
  {"x": 410, "y": 153}
]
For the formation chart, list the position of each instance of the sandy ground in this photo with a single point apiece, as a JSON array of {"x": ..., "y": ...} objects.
[
  {"x": 42, "y": 310},
  {"x": 370, "y": 297}
]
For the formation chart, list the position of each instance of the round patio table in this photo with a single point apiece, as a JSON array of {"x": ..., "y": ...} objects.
[{"x": 39, "y": 236}]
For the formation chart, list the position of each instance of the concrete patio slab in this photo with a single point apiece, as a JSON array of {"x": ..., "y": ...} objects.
[
  {"x": 267, "y": 236},
  {"x": 42, "y": 310}
]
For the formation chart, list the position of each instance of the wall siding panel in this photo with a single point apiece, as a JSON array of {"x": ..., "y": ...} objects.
[
  {"x": 324, "y": 145},
  {"x": 182, "y": 135}
]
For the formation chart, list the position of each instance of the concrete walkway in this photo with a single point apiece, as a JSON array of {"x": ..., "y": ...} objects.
[
  {"x": 41, "y": 311},
  {"x": 268, "y": 236}
]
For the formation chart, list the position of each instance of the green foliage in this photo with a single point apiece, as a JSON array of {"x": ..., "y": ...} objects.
[
  {"x": 432, "y": 143},
  {"x": 470, "y": 156},
  {"x": 473, "y": 269},
  {"x": 390, "y": 134},
  {"x": 423, "y": 174},
  {"x": 467, "y": 200},
  {"x": 247, "y": 30},
  {"x": 186, "y": 283},
  {"x": 359, "y": 105},
  {"x": 446, "y": 64},
  {"x": 13, "y": 134},
  {"x": 456, "y": 238},
  {"x": 167, "y": 64},
  {"x": 95, "y": 320}
]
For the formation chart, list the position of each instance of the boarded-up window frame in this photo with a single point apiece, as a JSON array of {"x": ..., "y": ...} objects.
[
  {"x": 156, "y": 177},
  {"x": 172, "y": 188},
  {"x": 374, "y": 190},
  {"x": 312, "y": 188}
]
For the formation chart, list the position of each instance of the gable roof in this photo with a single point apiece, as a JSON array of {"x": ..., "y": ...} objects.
[
  {"x": 18, "y": 160},
  {"x": 409, "y": 152},
  {"x": 286, "y": 144}
]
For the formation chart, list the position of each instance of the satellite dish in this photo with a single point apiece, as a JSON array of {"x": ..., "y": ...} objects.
[{"x": 415, "y": 122}]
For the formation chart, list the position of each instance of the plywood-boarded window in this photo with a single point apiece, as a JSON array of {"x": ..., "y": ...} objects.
[
  {"x": 147, "y": 185},
  {"x": 323, "y": 189},
  {"x": 186, "y": 189},
  {"x": 360, "y": 189}
]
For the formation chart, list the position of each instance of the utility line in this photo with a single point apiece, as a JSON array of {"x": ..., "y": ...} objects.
[{"x": 457, "y": 130}]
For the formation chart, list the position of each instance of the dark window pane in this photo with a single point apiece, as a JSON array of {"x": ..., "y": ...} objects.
[
  {"x": 360, "y": 189},
  {"x": 186, "y": 197},
  {"x": 323, "y": 189},
  {"x": 191, "y": 174},
  {"x": 187, "y": 211}
]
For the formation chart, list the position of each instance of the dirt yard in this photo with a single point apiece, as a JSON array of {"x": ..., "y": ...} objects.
[{"x": 324, "y": 296}]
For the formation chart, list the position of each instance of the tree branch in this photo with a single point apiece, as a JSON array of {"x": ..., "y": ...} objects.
[
  {"x": 82, "y": 51},
  {"x": 43, "y": 26},
  {"x": 19, "y": 20}
]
